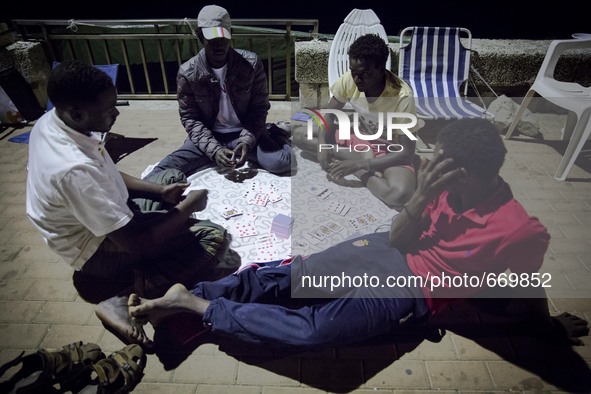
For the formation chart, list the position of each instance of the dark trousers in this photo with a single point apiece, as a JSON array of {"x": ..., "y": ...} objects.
[
  {"x": 198, "y": 253},
  {"x": 189, "y": 159},
  {"x": 258, "y": 305}
]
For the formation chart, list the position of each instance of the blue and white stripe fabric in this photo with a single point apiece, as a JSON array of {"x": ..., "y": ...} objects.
[{"x": 435, "y": 64}]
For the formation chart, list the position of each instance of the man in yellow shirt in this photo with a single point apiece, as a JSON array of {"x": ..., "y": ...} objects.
[{"x": 383, "y": 165}]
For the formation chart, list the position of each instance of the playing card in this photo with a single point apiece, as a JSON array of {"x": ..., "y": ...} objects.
[
  {"x": 338, "y": 207},
  {"x": 245, "y": 226},
  {"x": 362, "y": 221},
  {"x": 334, "y": 226},
  {"x": 249, "y": 195},
  {"x": 370, "y": 218},
  {"x": 345, "y": 210},
  {"x": 307, "y": 238},
  {"x": 255, "y": 186},
  {"x": 255, "y": 197},
  {"x": 266, "y": 248},
  {"x": 271, "y": 190},
  {"x": 317, "y": 234},
  {"x": 260, "y": 199},
  {"x": 229, "y": 212},
  {"x": 355, "y": 224},
  {"x": 315, "y": 189},
  {"x": 325, "y": 230},
  {"x": 245, "y": 229},
  {"x": 324, "y": 194},
  {"x": 299, "y": 247}
]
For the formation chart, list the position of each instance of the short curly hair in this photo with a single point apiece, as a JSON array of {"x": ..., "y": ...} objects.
[
  {"x": 74, "y": 82},
  {"x": 474, "y": 144},
  {"x": 370, "y": 48}
]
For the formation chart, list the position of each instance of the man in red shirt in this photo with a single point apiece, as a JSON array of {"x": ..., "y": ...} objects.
[{"x": 458, "y": 234}]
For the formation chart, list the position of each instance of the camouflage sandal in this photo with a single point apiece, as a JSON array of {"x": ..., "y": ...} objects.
[
  {"x": 50, "y": 371},
  {"x": 120, "y": 372}
]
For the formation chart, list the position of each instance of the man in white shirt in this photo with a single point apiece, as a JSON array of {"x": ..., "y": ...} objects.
[{"x": 80, "y": 203}]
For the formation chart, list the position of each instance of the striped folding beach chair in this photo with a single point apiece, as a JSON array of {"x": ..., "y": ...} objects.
[{"x": 436, "y": 64}]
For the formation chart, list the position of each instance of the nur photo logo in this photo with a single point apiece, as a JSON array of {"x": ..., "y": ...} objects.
[{"x": 387, "y": 123}]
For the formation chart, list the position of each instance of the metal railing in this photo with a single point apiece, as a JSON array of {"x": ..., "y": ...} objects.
[{"x": 151, "y": 50}]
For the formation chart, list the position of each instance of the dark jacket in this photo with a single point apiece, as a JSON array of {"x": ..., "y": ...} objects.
[{"x": 198, "y": 94}]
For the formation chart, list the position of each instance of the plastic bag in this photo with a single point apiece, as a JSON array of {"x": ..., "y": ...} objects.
[
  {"x": 505, "y": 109},
  {"x": 9, "y": 114}
]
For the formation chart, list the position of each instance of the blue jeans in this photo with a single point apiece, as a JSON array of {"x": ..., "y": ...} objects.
[
  {"x": 189, "y": 159},
  {"x": 256, "y": 306}
]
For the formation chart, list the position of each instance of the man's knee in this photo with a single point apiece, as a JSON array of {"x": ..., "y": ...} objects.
[
  {"x": 299, "y": 139},
  {"x": 165, "y": 176},
  {"x": 277, "y": 162},
  {"x": 395, "y": 198}
]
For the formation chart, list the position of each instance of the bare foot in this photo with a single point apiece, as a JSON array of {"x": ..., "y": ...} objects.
[
  {"x": 114, "y": 315},
  {"x": 176, "y": 300},
  {"x": 569, "y": 328}
]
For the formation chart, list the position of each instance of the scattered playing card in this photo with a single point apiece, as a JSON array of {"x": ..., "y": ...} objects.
[
  {"x": 338, "y": 207},
  {"x": 362, "y": 221},
  {"x": 314, "y": 189},
  {"x": 325, "y": 230},
  {"x": 317, "y": 234},
  {"x": 229, "y": 212},
  {"x": 255, "y": 197},
  {"x": 260, "y": 199},
  {"x": 266, "y": 248},
  {"x": 299, "y": 247},
  {"x": 245, "y": 229},
  {"x": 271, "y": 191},
  {"x": 307, "y": 238},
  {"x": 245, "y": 226},
  {"x": 355, "y": 224},
  {"x": 324, "y": 194},
  {"x": 334, "y": 226}
]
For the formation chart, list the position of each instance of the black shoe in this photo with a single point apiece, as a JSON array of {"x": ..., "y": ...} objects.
[{"x": 280, "y": 135}]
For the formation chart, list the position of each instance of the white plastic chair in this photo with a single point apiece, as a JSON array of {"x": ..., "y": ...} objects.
[
  {"x": 357, "y": 23},
  {"x": 568, "y": 95}
]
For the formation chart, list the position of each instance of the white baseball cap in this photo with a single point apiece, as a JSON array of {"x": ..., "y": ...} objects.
[{"x": 214, "y": 22}]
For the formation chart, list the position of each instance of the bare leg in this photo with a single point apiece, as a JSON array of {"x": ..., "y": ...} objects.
[
  {"x": 176, "y": 300},
  {"x": 344, "y": 154},
  {"x": 395, "y": 188},
  {"x": 114, "y": 315},
  {"x": 300, "y": 138}
]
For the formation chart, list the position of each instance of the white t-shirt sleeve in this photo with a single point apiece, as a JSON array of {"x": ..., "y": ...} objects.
[{"x": 95, "y": 199}]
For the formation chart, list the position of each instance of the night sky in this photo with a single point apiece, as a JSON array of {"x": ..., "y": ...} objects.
[{"x": 490, "y": 19}]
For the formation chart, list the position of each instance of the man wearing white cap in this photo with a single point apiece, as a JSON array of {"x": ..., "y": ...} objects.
[{"x": 223, "y": 103}]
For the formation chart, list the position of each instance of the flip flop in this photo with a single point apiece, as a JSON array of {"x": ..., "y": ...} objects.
[{"x": 49, "y": 371}]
